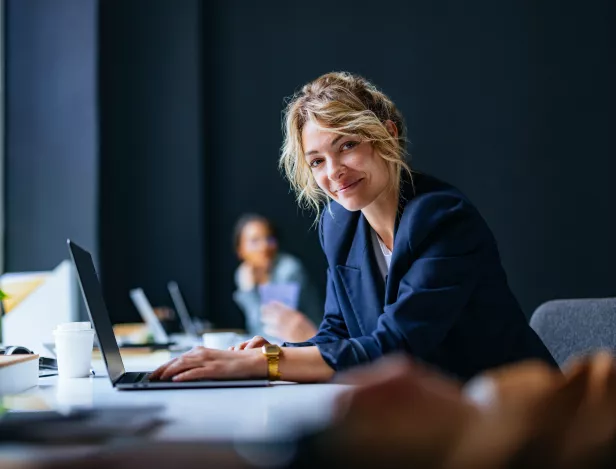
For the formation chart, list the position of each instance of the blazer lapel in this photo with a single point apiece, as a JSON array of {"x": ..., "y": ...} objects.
[
  {"x": 408, "y": 187},
  {"x": 362, "y": 279}
]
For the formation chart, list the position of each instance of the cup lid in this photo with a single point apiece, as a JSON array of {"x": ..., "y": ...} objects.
[{"x": 74, "y": 326}]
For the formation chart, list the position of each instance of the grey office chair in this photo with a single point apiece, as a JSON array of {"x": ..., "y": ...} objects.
[{"x": 575, "y": 327}]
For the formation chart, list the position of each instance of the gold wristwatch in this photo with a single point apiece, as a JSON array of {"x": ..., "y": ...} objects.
[{"x": 272, "y": 353}]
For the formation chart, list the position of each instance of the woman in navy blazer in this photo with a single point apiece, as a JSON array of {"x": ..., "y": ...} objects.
[
  {"x": 413, "y": 267},
  {"x": 445, "y": 299}
]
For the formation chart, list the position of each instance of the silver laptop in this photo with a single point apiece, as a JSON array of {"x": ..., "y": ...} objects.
[
  {"x": 120, "y": 379},
  {"x": 148, "y": 315},
  {"x": 188, "y": 324}
]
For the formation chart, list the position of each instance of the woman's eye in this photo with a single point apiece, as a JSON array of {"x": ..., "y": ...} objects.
[
  {"x": 349, "y": 145},
  {"x": 314, "y": 163}
]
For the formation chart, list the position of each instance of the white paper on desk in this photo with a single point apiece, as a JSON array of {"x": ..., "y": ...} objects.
[{"x": 286, "y": 293}]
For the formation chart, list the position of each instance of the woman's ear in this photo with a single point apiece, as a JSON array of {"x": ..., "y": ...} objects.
[{"x": 391, "y": 128}]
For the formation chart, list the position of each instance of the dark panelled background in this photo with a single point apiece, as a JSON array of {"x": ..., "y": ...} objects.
[
  {"x": 151, "y": 172},
  {"x": 511, "y": 101}
]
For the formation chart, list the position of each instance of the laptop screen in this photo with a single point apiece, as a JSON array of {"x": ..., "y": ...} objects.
[
  {"x": 148, "y": 315},
  {"x": 180, "y": 308},
  {"x": 93, "y": 297}
]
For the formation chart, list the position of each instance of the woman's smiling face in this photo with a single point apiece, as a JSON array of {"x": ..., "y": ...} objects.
[{"x": 345, "y": 167}]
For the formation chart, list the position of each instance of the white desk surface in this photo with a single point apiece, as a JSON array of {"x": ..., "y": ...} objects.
[{"x": 233, "y": 414}]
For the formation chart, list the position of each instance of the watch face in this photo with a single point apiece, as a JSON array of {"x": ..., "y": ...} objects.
[{"x": 271, "y": 349}]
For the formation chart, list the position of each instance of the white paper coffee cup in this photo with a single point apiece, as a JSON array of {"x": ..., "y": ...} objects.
[
  {"x": 220, "y": 340},
  {"x": 74, "y": 342}
]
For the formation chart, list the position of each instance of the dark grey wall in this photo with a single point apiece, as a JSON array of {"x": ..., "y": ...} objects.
[
  {"x": 565, "y": 181},
  {"x": 151, "y": 172},
  {"x": 51, "y": 130}
]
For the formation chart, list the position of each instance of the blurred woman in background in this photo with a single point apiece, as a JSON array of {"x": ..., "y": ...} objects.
[{"x": 256, "y": 245}]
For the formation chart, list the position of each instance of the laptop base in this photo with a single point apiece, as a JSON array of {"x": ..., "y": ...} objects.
[{"x": 151, "y": 385}]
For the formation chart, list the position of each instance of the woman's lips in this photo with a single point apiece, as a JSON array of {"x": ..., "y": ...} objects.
[{"x": 348, "y": 187}]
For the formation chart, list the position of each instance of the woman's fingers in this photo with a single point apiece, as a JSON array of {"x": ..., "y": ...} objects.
[
  {"x": 183, "y": 364},
  {"x": 255, "y": 342},
  {"x": 195, "y": 374},
  {"x": 241, "y": 346},
  {"x": 160, "y": 370},
  {"x": 197, "y": 357}
]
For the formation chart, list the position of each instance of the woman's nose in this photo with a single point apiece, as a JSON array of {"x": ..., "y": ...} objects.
[{"x": 334, "y": 169}]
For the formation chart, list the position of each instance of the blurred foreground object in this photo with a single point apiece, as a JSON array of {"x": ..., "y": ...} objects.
[{"x": 527, "y": 415}]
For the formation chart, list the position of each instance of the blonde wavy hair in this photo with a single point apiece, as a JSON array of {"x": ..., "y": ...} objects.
[{"x": 345, "y": 104}]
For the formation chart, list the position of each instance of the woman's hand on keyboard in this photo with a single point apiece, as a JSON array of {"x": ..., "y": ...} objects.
[{"x": 203, "y": 363}]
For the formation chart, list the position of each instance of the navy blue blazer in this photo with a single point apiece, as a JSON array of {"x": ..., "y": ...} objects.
[{"x": 445, "y": 301}]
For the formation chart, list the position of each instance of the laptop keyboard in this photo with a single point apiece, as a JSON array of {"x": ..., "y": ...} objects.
[{"x": 130, "y": 378}]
